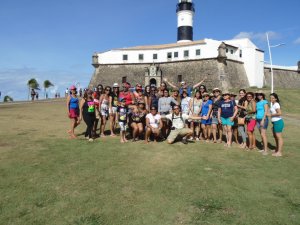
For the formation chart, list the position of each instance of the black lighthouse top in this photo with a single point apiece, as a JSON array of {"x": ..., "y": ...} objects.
[{"x": 185, "y": 5}]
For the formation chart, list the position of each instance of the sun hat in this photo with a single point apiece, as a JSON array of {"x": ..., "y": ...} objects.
[
  {"x": 205, "y": 94},
  {"x": 115, "y": 85},
  {"x": 73, "y": 87},
  {"x": 216, "y": 89},
  {"x": 182, "y": 82},
  {"x": 226, "y": 92},
  {"x": 233, "y": 94}
]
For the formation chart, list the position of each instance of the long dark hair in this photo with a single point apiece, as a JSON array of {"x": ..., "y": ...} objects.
[{"x": 276, "y": 97}]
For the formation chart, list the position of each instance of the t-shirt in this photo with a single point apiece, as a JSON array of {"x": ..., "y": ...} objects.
[
  {"x": 122, "y": 113},
  {"x": 164, "y": 104},
  {"x": 215, "y": 107},
  {"x": 185, "y": 102},
  {"x": 273, "y": 111},
  {"x": 227, "y": 108},
  {"x": 205, "y": 107},
  {"x": 260, "y": 109},
  {"x": 154, "y": 120},
  {"x": 177, "y": 122}
]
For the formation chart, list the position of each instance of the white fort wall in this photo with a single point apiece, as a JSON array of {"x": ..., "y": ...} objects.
[{"x": 242, "y": 50}]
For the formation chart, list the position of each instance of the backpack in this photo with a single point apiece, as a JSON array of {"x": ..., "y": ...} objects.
[{"x": 180, "y": 117}]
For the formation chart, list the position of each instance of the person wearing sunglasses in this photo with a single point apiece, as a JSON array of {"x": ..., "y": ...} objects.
[
  {"x": 126, "y": 94},
  {"x": 153, "y": 125},
  {"x": 104, "y": 109},
  {"x": 178, "y": 129}
]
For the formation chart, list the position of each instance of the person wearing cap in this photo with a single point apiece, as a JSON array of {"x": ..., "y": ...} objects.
[
  {"x": 153, "y": 124},
  {"x": 122, "y": 111},
  {"x": 113, "y": 105},
  {"x": 251, "y": 119},
  {"x": 87, "y": 113},
  {"x": 184, "y": 86},
  {"x": 226, "y": 113},
  {"x": 206, "y": 110},
  {"x": 216, "y": 126},
  {"x": 126, "y": 94},
  {"x": 73, "y": 110},
  {"x": 178, "y": 129},
  {"x": 262, "y": 109}
]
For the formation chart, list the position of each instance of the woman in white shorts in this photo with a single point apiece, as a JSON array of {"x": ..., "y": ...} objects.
[{"x": 104, "y": 109}]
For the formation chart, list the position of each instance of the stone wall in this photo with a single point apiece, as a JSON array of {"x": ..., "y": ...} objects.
[
  {"x": 282, "y": 78},
  {"x": 229, "y": 75}
]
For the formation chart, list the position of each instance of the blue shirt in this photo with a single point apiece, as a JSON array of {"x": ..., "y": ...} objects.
[
  {"x": 227, "y": 108},
  {"x": 188, "y": 90},
  {"x": 260, "y": 109},
  {"x": 205, "y": 107}
]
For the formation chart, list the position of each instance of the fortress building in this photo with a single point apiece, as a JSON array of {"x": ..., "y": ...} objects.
[{"x": 226, "y": 63}]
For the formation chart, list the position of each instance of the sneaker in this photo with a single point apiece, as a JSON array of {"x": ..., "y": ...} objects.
[
  {"x": 184, "y": 141},
  {"x": 197, "y": 139},
  {"x": 91, "y": 140}
]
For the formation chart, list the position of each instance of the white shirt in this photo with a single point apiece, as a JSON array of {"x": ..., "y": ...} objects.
[
  {"x": 273, "y": 111},
  {"x": 177, "y": 121},
  {"x": 154, "y": 120},
  {"x": 185, "y": 102}
]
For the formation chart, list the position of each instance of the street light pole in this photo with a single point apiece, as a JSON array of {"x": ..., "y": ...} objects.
[
  {"x": 272, "y": 75},
  {"x": 271, "y": 63}
]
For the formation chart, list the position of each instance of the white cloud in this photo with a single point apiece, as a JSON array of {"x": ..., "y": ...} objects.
[
  {"x": 297, "y": 41},
  {"x": 260, "y": 36}
]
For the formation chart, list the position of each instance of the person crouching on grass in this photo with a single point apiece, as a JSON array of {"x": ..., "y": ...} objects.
[
  {"x": 178, "y": 125},
  {"x": 122, "y": 111},
  {"x": 226, "y": 114},
  {"x": 153, "y": 124},
  {"x": 73, "y": 110}
]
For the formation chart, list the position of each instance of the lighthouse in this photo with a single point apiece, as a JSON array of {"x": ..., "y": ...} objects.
[{"x": 185, "y": 14}]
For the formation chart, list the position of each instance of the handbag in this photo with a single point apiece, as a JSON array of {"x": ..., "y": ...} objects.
[{"x": 241, "y": 120}]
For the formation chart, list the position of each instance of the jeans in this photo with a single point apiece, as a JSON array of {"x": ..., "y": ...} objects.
[{"x": 242, "y": 132}]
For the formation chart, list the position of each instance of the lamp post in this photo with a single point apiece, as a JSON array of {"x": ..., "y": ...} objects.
[{"x": 270, "y": 54}]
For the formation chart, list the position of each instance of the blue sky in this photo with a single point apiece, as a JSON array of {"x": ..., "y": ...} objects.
[{"x": 55, "y": 39}]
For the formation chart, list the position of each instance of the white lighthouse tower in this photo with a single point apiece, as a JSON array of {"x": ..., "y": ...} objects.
[{"x": 185, "y": 14}]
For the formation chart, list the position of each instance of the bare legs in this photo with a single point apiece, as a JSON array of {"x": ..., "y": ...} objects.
[
  {"x": 137, "y": 129},
  {"x": 74, "y": 123},
  {"x": 279, "y": 144},
  {"x": 102, "y": 125},
  {"x": 264, "y": 139},
  {"x": 228, "y": 132},
  {"x": 206, "y": 131},
  {"x": 154, "y": 131},
  {"x": 112, "y": 123}
]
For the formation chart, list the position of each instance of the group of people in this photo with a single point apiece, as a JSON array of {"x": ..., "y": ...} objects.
[{"x": 183, "y": 113}]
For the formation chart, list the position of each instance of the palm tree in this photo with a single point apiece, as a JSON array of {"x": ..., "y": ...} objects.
[
  {"x": 32, "y": 84},
  {"x": 8, "y": 99},
  {"x": 47, "y": 84}
]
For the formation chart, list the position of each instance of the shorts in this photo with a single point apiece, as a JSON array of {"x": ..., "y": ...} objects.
[
  {"x": 123, "y": 126},
  {"x": 227, "y": 121},
  {"x": 206, "y": 122},
  {"x": 265, "y": 126},
  {"x": 104, "y": 112},
  {"x": 178, "y": 132},
  {"x": 251, "y": 125},
  {"x": 73, "y": 113},
  {"x": 278, "y": 126},
  {"x": 113, "y": 110},
  {"x": 215, "y": 120}
]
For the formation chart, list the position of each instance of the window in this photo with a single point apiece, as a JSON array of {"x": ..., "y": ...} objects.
[
  {"x": 175, "y": 54},
  {"x": 154, "y": 56},
  {"x": 226, "y": 50},
  {"x": 125, "y": 57},
  {"x": 141, "y": 57},
  {"x": 241, "y": 53},
  {"x": 124, "y": 79},
  {"x": 198, "y": 52},
  {"x": 169, "y": 55},
  {"x": 231, "y": 51},
  {"x": 186, "y": 53},
  {"x": 179, "y": 79}
]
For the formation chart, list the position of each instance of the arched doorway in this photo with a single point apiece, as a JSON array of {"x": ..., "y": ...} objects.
[{"x": 153, "y": 81}]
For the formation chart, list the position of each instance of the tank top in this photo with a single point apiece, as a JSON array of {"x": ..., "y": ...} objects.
[
  {"x": 88, "y": 108},
  {"x": 114, "y": 100},
  {"x": 104, "y": 104},
  {"x": 197, "y": 104},
  {"x": 154, "y": 101},
  {"x": 249, "y": 108},
  {"x": 127, "y": 97},
  {"x": 73, "y": 103},
  {"x": 138, "y": 117}
]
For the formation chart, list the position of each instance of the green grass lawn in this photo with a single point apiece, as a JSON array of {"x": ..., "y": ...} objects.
[{"x": 45, "y": 178}]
